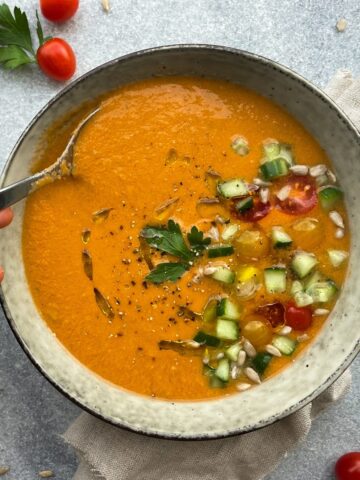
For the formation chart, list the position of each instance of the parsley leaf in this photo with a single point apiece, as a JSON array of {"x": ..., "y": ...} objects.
[
  {"x": 14, "y": 29},
  {"x": 16, "y": 46},
  {"x": 13, "y": 56},
  {"x": 168, "y": 239},
  {"x": 197, "y": 241},
  {"x": 167, "y": 271}
]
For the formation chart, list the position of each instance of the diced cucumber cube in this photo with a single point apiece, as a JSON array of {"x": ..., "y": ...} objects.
[
  {"x": 233, "y": 352},
  {"x": 302, "y": 263},
  {"x": 274, "y": 169},
  {"x": 280, "y": 239},
  {"x": 286, "y": 345},
  {"x": 322, "y": 292},
  {"x": 227, "y": 329},
  {"x": 223, "y": 370},
  {"x": 228, "y": 310},
  {"x": 224, "y": 275},
  {"x": 337, "y": 257},
  {"x": 271, "y": 149},
  {"x": 329, "y": 196},
  {"x": 209, "y": 313},
  {"x": 229, "y": 232},
  {"x": 261, "y": 361},
  {"x": 275, "y": 279},
  {"x": 302, "y": 299},
  {"x": 296, "y": 287},
  {"x": 221, "y": 250},
  {"x": 244, "y": 204},
  {"x": 206, "y": 339},
  {"x": 232, "y": 188}
]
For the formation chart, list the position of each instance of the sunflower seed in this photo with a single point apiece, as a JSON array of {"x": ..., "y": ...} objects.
[
  {"x": 209, "y": 270},
  {"x": 243, "y": 386},
  {"x": 252, "y": 375},
  {"x": 46, "y": 474},
  {"x": 273, "y": 350},
  {"x": 318, "y": 170},
  {"x": 249, "y": 348},
  {"x": 284, "y": 192},
  {"x": 299, "y": 169},
  {"x": 234, "y": 372},
  {"x": 336, "y": 218},
  {"x": 4, "y": 470},
  {"x": 220, "y": 219},
  {"x": 241, "y": 358},
  {"x": 303, "y": 338},
  {"x": 285, "y": 330},
  {"x": 320, "y": 311},
  {"x": 103, "y": 304},
  {"x": 264, "y": 195},
  {"x": 339, "y": 233},
  {"x": 261, "y": 183},
  {"x": 341, "y": 25},
  {"x": 331, "y": 176},
  {"x": 101, "y": 215},
  {"x": 165, "y": 205},
  {"x": 214, "y": 234},
  {"x": 85, "y": 235},
  {"x": 87, "y": 264}
]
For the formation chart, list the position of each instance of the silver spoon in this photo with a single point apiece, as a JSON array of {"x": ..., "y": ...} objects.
[{"x": 63, "y": 167}]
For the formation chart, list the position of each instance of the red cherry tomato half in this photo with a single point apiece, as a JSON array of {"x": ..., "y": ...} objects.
[
  {"x": 57, "y": 59},
  {"x": 302, "y": 197},
  {"x": 298, "y": 318},
  {"x": 255, "y": 213},
  {"x": 274, "y": 312},
  {"x": 348, "y": 467},
  {"x": 59, "y": 10}
]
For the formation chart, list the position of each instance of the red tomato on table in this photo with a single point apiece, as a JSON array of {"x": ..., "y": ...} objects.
[
  {"x": 57, "y": 59},
  {"x": 59, "y": 10},
  {"x": 348, "y": 467}
]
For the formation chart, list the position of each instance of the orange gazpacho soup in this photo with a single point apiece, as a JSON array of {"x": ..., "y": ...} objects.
[{"x": 199, "y": 246}]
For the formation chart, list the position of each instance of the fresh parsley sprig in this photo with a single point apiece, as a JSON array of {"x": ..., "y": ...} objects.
[
  {"x": 16, "y": 45},
  {"x": 169, "y": 239}
]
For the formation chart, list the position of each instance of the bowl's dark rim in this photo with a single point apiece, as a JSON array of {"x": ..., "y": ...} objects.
[{"x": 179, "y": 47}]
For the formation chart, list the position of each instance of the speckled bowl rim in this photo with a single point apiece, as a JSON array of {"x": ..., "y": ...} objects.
[{"x": 145, "y": 52}]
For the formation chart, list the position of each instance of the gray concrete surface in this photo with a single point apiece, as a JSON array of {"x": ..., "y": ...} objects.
[{"x": 298, "y": 33}]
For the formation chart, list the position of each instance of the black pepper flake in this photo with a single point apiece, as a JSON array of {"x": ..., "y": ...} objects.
[
  {"x": 111, "y": 233},
  {"x": 121, "y": 227},
  {"x": 133, "y": 283},
  {"x": 139, "y": 260},
  {"x": 140, "y": 349},
  {"x": 144, "y": 284}
]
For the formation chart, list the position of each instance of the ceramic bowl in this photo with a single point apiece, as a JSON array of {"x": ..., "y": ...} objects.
[{"x": 334, "y": 348}]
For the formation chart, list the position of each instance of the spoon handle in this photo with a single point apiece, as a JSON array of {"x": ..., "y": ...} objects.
[{"x": 19, "y": 190}]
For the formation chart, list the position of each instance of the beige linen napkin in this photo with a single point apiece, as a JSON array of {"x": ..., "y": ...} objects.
[{"x": 109, "y": 453}]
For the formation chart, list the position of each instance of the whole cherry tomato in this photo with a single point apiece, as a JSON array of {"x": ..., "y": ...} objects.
[
  {"x": 59, "y": 10},
  {"x": 57, "y": 59},
  {"x": 302, "y": 197},
  {"x": 348, "y": 467},
  {"x": 298, "y": 318}
]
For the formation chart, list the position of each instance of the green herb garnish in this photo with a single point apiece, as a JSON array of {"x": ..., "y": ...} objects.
[
  {"x": 16, "y": 45},
  {"x": 167, "y": 271},
  {"x": 169, "y": 239},
  {"x": 197, "y": 241}
]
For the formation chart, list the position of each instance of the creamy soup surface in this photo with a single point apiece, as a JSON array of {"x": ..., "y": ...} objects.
[{"x": 242, "y": 296}]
